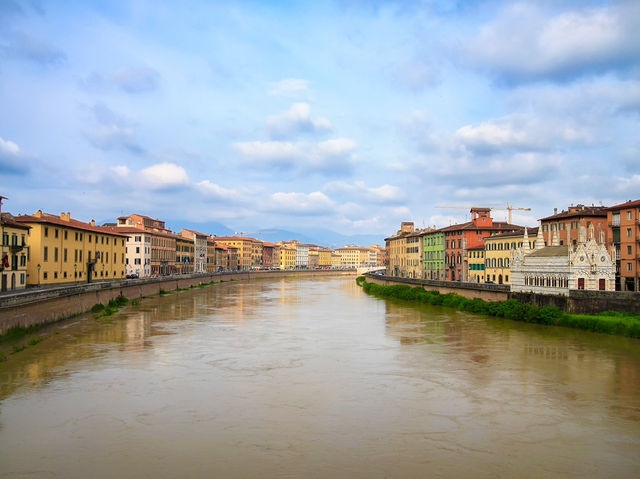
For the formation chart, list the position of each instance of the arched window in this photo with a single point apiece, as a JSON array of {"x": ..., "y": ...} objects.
[
  {"x": 459, "y": 259},
  {"x": 493, "y": 262},
  {"x": 506, "y": 262},
  {"x": 499, "y": 262}
]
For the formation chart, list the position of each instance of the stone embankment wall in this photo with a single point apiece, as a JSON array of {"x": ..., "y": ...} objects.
[
  {"x": 577, "y": 302},
  {"x": 486, "y": 292},
  {"x": 43, "y": 306}
]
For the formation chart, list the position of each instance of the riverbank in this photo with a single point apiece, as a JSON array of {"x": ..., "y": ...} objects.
[
  {"x": 26, "y": 309},
  {"x": 609, "y": 322}
]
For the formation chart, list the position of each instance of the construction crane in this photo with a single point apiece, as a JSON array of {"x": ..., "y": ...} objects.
[
  {"x": 509, "y": 208},
  {"x": 243, "y": 233}
]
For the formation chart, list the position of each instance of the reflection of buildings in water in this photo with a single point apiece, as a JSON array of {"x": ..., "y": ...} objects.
[{"x": 72, "y": 341}]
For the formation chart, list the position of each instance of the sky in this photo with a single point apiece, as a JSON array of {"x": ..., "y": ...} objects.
[{"x": 351, "y": 116}]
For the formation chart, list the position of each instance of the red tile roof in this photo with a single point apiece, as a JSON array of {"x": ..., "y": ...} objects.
[
  {"x": 578, "y": 211},
  {"x": 628, "y": 204},
  {"x": 47, "y": 218},
  {"x": 9, "y": 220}
]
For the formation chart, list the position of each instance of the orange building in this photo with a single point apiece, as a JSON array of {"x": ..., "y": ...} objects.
[
  {"x": 624, "y": 235},
  {"x": 567, "y": 223},
  {"x": 462, "y": 237}
]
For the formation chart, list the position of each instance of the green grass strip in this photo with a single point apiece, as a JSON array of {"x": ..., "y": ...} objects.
[{"x": 609, "y": 322}]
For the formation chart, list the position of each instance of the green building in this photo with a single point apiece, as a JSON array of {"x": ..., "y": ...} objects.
[{"x": 433, "y": 256}]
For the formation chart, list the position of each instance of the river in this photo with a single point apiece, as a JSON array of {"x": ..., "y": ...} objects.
[{"x": 302, "y": 377}]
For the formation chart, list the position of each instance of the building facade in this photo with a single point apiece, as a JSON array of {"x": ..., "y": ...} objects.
[
  {"x": 459, "y": 238},
  {"x": 64, "y": 250},
  {"x": 433, "y": 255},
  {"x": 475, "y": 260},
  {"x": 557, "y": 269},
  {"x": 567, "y": 223},
  {"x": 199, "y": 249},
  {"x": 497, "y": 252},
  {"x": 14, "y": 252},
  {"x": 138, "y": 251},
  {"x": 623, "y": 222}
]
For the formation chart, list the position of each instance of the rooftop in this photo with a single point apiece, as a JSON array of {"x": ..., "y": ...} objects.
[
  {"x": 66, "y": 221},
  {"x": 578, "y": 211},
  {"x": 628, "y": 204},
  {"x": 548, "y": 251}
]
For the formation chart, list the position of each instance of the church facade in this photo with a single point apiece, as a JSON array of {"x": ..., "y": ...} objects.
[{"x": 556, "y": 269}]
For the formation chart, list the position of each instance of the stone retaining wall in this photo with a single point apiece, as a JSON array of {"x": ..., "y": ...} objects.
[
  {"x": 486, "y": 292},
  {"x": 43, "y": 306},
  {"x": 577, "y": 302}
]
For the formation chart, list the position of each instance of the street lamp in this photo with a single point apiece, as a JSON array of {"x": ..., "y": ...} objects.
[{"x": 38, "y": 274}]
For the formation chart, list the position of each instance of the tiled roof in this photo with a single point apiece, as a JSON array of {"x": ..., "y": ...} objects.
[
  {"x": 578, "y": 211},
  {"x": 9, "y": 220},
  {"x": 470, "y": 226},
  {"x": 47, "y": 218},
  {"x": 235, "y": 238},
  {"x": 508, "y": 234},
  {"x": 196, "y": 232},
  {"x": 550, "y": 251},
  {"x": 628, "y": 204}
]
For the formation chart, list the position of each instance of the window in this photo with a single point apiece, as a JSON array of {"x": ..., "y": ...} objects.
[
  {"x": 138, "y": 239},
  {"x": 628, "y": 215},
  {"x": 89, "y": 239},
  {"x": 22, "y": 278},
  {"x": 629, "y": 249},
  {"x": 55, "y": 255},
  {"x": 80, "y": 236},
  {"x": 55, "y": 275},
  {"x": 55, "y": 231},
  {"x": 629, "y": 267},
  {"x": 76, "y": 236},
  {"x": 46, "y": 233},
  {"x": 628, "y": 232},
  {"x": 45, "y": 256},
  {"x": 44, "y": 275},
  {"x": 65, "y": 235},
  {"x": 64, "y": 254},
  {"x": 75, "y": 256},
  {"x": 137, "y": 249}
]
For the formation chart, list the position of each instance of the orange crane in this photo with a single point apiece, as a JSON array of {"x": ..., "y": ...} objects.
[{"x": 509, "y": 208}]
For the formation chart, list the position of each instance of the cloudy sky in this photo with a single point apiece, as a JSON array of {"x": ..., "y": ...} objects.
[{"x": 351, "y": 116}]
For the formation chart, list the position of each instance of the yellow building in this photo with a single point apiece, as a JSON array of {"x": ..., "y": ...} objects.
[
  {"x": 14, "y": 252},
  {"x": 497, "y": 252},
  {"x": 64, "y": 250},
  {"x": 286, "y": 256},
  {"x": 184, "y": 255},
  {"x": 336, "y": 259},
  {"x": 404, "y": 251},
  {"x": 249, "y": 250},
  {"x": 324, "y": 257},
  {"x": 475, "y": 263}
]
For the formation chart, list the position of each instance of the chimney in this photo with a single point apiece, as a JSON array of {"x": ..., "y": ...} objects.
[
  {"x": 65, "y": 216},
  {"x": 92, "y": 222},
  {"x": 555, "y": 211},
  {"x": 38, "y": 214}
]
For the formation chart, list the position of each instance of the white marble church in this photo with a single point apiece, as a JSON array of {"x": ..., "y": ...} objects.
[{"x": 556, "y": 269}]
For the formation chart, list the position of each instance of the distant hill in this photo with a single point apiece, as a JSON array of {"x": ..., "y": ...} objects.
[{"x": 321, "y": 237}]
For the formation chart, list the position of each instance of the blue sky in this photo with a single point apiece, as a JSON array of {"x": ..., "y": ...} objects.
[{"x": 350, "y": 116}]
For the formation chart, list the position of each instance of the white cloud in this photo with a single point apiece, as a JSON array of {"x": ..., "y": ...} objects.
[
  {"x": 122, "y": 171},
  {"x": 315, "y": 203},
  {"x": 296, "y": 120},
  {"x": 523, "y": 132},
  {"x": 331, "y": 157},
  {"x": 215, "y": 191},
  {"x": 12, "y": 161},
  {"x": 290, "y": 88},
  {"x": 164, "y": 176},
  {"x": 527, "y": 42},
  {"x": 385, "y": 194}
]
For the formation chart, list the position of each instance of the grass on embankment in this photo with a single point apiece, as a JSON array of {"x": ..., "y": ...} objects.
[{"x": 609, "y": 322}]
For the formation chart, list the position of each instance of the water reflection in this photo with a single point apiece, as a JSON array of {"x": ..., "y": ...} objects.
[{"x": 299, "y": 377}]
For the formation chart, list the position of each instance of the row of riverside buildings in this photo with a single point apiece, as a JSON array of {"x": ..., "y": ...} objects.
[
  {"x": 45, "y": 249},
  {"x": 583, "y": 247}
]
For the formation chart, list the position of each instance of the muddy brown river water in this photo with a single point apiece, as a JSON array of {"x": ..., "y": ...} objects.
[{"x": 313, "y": 378}]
